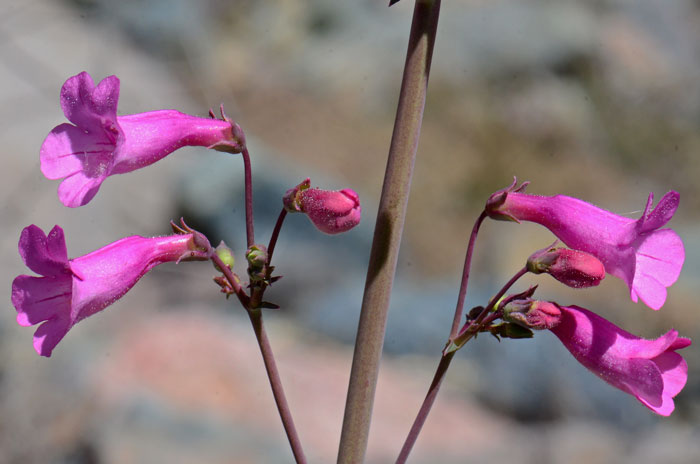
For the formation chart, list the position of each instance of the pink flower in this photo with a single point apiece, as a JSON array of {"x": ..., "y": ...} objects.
[
  {"x": 650, "y": 370},
  {"x": 72, "y": 289},
  {"x": 331, "y": 211},
  {"x": 647, "y": 258},
  {"x": 99, "y": 143}
]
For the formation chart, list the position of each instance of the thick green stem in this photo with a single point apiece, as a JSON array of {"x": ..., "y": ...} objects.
[{"x": 387, "y": 234}]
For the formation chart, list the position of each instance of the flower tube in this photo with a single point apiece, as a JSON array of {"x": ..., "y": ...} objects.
[
  {"x": 638, "y": 251},
  {"x": 99, "y": 143},
  {"x": 649, "y": 370},
  {"x": 69, "y": 290}
]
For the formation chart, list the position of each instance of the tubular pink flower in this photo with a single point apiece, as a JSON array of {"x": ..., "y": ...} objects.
[
  {"x": 331, "y": 211},
  {"x": 647, "y": 258},
  {"x": 650, "y": 370},
  {"x": 72, "y": 289},
  {"x": 99, "y": 143}
]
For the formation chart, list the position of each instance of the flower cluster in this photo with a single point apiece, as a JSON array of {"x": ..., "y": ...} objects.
[
  {"x": 647, "y": 257},
  {"x": 99, "y": 144}
]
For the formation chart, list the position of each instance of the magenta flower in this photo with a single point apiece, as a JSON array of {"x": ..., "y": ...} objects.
[
  {"x": 99, "y": 143},
  {"x": 647, "y": 258},
  {"x": 72, "y": 289},
  {"x": 331, "y": 211},
  {"x": 650, "y": 370}
]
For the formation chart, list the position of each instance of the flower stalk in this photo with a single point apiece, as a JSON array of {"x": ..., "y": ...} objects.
[
  {"x": 387, "y": 233},
  {"x": 459, "y": 310}
]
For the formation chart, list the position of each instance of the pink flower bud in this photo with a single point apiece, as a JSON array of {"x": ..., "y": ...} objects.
[
  {"x": 331, "y": 211},
  {"x": 99, "y": 143},
  {"x": 533, "y": 314},
  {"x": 645, "y": 256},
  {"x": 576, "y": 269},
  {"x": 72, "y": 289}
]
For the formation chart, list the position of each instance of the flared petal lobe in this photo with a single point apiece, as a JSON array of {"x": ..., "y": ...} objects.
[
  {"x": 99, "y": 143},
  {"x": 650, "y": 370},
  {"x": 87, "y": 105},
  {"x": 648, "y": 259},
  {"x": 71, "y": 290}
]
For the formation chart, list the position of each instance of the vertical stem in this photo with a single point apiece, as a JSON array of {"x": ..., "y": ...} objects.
[
  {"x": 425, "y": 407},
  {"x": 273, "y": 375},
  {"x": 250, "y": 233},
  {"x": 276, "y": 384},
  {"x": 459, "y": 310},
  {"x": 387, "y": 234}
]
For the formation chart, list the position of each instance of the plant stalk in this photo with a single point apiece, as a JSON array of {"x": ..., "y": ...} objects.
[
  {"x": 276, "y": 384},
  {"x": 273, "y": 375},
  {"x": 465, "y": 334},
  {"x": 459, "y": 310},
  {"x": 425, "y": 407},
  {"x": 275, "y": 234},
  {"x": 387, "y": 234},
  {"x": 249, "y": 229}
]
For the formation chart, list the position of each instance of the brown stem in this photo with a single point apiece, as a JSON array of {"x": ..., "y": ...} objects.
[
  {"x": 387, "y": 234},
  {"x": 467, "y": 332},
  {"x": 425, "y": 407},
  {"x": 275, "y": 234},
  {"x": 276, "y": 384},
  {"x": 459, "y": 310},
  {"x": 248, "y": 180},
  {"x": 255, "y": 316}
]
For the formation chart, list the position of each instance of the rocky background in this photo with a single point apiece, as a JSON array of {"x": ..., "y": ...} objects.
[{"x": 596, "y": 99}]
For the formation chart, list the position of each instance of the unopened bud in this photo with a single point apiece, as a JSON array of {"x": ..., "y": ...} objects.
[
  {"x": 256, "y": 256},
  {"x": 225, "y": 255},
  {"x": 571, "y": 267},
  {"x": 533, "y": 314},
  {"x": 331, "y": 211}
]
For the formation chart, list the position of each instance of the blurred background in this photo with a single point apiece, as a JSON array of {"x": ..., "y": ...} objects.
[{"x": 596, "y": 99}]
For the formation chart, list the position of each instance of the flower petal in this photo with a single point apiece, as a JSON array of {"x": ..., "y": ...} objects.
[
  {"x": 68, "y": 149},
  {"x": 674, "y": 370},
  {"x": 659, "y": 260},
  {"x": 49, "y": 334},
  {"x": 41, "y": 255},
  {"x": 78, "y": 189},
  {"x": 38, "y": 299},
  {"x": 664, "y": 211},
  {"x": 87, "y": 105}
]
